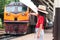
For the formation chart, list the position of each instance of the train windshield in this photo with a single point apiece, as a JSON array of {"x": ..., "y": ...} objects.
[
  {"x": 16, "y": 8},
  {"x": 22, "y": 9}
]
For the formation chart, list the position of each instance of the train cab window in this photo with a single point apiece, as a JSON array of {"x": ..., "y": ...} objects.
[
  {"x": 16, "y": 9},
  {"x": 10, "y": 8},
  {"x": 22, "y": 8}
]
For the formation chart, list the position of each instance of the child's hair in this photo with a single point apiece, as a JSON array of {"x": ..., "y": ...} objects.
[
  {"x": 41, "y": 13},
  {"x": 44, "y": 15}
]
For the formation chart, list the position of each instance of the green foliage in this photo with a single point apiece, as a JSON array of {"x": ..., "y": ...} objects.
[
  {"x": 0, "y": 20},
  {"x": 2, "y": 5},
  {"x": 0, "y": 24}
]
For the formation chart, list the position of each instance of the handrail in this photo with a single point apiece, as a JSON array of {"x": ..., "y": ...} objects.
[
  {"x": 48, "y": 4},
  {"x": 51, "y": 2}
]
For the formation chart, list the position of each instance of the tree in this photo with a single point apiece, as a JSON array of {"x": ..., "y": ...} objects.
[{"x": 2, "y": 4}]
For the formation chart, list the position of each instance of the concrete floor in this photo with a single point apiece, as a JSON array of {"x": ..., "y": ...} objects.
[{"x": 48, "y": 36}]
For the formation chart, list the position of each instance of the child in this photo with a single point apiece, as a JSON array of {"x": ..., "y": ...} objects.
[{"x": 40, "y": 21}]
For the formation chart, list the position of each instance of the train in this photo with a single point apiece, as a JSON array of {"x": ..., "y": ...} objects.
[{"x": 17, "y": 19}]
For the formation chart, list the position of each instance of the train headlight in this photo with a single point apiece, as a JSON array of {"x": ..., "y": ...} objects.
[
  {"x": 8, "y": 14},
  {"x": 23, "y": 14}
]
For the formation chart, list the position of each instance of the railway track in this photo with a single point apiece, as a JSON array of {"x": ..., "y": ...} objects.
[{"x": 8, "y": 36}]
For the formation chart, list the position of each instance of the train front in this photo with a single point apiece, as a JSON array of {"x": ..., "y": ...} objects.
[{"x": 16, "y": 19}]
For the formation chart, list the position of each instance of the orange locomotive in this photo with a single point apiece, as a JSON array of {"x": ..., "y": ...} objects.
[{"x": 16, "y": 19}]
